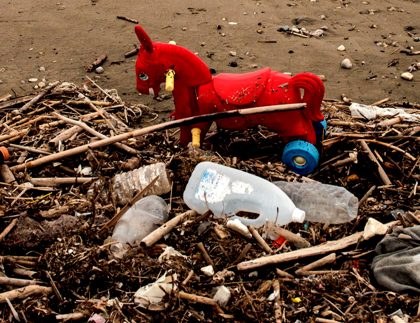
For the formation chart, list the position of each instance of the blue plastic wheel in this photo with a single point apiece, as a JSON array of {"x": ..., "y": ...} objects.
[
  {"x": 301, "y": 156},
  {"x": 320, "y": 130}
]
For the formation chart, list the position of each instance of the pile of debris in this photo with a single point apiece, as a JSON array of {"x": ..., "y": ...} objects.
[{"x": 56, "y": 262}]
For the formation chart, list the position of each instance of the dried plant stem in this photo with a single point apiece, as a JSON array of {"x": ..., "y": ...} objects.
[
  {"x": 17, "y": 282},
  {"x": 160, "y": 232},
  {"x": 382, "y": 174},
  {"x": 260, "y": 240},
  {"x": 8, "y": 229},
  {"x": 24, "y": 292},
  {"x": 95, "y": 133},
  {"x": 38, "y": 97},
  {"x": 205, "y": 254}
]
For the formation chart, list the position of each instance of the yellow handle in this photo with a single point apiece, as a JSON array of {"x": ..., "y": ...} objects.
[
  {"x": 170, "y": 79},
  {"x": 195, "y": 137}
]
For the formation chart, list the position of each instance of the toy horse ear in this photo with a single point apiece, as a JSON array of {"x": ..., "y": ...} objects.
[{"x": 144, "y": 39}]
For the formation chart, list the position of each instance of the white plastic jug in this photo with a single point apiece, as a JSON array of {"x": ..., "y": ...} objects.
[{"x": 226, "y": 191}]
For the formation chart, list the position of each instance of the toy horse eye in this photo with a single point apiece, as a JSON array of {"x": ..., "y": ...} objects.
[{"x": 143, "y": 77}]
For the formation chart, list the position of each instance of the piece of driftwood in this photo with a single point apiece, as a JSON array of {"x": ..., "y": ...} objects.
[
  {"x": 56, "y": 181},
  {"x": 273, "y": 230},
  {"x": 158, "y": 127},
  {"x": 96, "y": 133},
  {"x": 320, "y": 262},
  {"x": 160, "y": 232},
  {"x": 38, "y": 97},
  {"x": 8, "y": 229},
  {"x": 71, "y": 316},
  {"x": 134, "y": 21},
  {"x": 97, "y": 62},
  {"x": 306, "y": 252},
  {"x": 277, "y": 305},
  {"x": 382, "y": 174},
  {"x": 200, "y": 299},
  {"x": 260, "y": 240},
  {"x": 14, "y": 135},
  {"x": 17, "y": 282},
  {"x": 205, "y": 254},
  {"x": 24, "y": 292}
]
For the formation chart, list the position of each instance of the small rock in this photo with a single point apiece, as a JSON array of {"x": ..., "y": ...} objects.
[
  {"x": 346, "y": 63},
  {"x": 407, "y": 76},
  {"x": 253, "y": 274},
  {"x": 341, "y": 48},
  {"x": 1, "y": 81},
  {"x": 232, "y": 53},
  {"x": 42, "y": 68},
  {"x": 222, "y": 295},
  {"x": 36, "y": 87},
  {"x": 32, "y": 80},
  {"x": 323, "y": 17},
  {"x": 318, "y": 33},
  {"x": 203, "y": 44},
  {"x": 41, "y": 84},
  {"x": 254, "y": 66},
  {"x": 259, "y": 31},
  {"x": 99, "y": 70},
  {"x": 184, "y": 28},
  {"x": 208, "y": 270}
]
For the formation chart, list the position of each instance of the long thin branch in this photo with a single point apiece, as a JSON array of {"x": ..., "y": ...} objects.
[
  {"x": 158, "y": 127},
  {"x": 96, "y": 133}
]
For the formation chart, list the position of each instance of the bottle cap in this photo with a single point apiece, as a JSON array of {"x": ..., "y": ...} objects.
[
  {"x": 298, "y": 215},
  {"x": 4, "y": 154}
]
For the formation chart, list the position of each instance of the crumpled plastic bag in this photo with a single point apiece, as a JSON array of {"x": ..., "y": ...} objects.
[
  {"x": 372, "y": 112},
  {"x": 397, "y": 264}
]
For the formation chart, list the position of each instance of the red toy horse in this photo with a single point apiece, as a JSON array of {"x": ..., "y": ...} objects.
[{"x": 196, "y": 92}]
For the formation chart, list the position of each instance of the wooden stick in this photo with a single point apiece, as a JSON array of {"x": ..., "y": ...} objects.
[
  {"x": 307, "y": 252},
  {"x": 24, "y": 272},
  {"x": 16, "y": 101},
  {"x": 54, "y": 212},
  {"x": 277, "y": 305},
  {"x": 17, "y": 281},
  {"x": 24, "y": 292},
  {"x": 284, "y": 274},
  {"x": 205, "y": 254},
  {"x": 243, "y": 253},
  {"x": 367, "y": 194},
  {"x": 158, "y": 127},
  {"x": 160, "y": 232},
  {"x": 14, "y": 134},
  {"x": 320, "y": 262},
  {"x": 392, "y": 147},
  {"x": 13, "y": 310},
  {"x": 197, "y": 299},
  {"x": 8, "y": 229},
  {"x": 66, "y": 134},
  {"x": 187, "y": 279},
  {"x": 71, "y": 316},
  {"x": 96, "y": 133},
  {"x": 38, "y": 97},
  {"x": 30, "y": 149},
  {"x": 56, "y": 181},
  {"x": 297, "y": 241},
  {"x": 260, "y": 240},
  {"x": 384, "y": 177}
]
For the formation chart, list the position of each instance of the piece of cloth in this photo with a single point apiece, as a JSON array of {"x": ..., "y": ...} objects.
[{"x": 397, "y": 263}]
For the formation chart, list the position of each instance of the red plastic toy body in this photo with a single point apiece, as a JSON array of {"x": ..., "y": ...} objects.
[{"x": 196, "y": 92}]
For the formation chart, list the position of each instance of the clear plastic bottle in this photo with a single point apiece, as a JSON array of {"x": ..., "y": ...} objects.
[
  {"x": 142, "y": 218},
  {"x": 322, "y": 203},
  {"x": 227, "y": 191},
  {"x": 124, "y": 186}
]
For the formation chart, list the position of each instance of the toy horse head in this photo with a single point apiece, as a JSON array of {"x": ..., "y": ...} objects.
[{"x": 155, "y": 59}]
